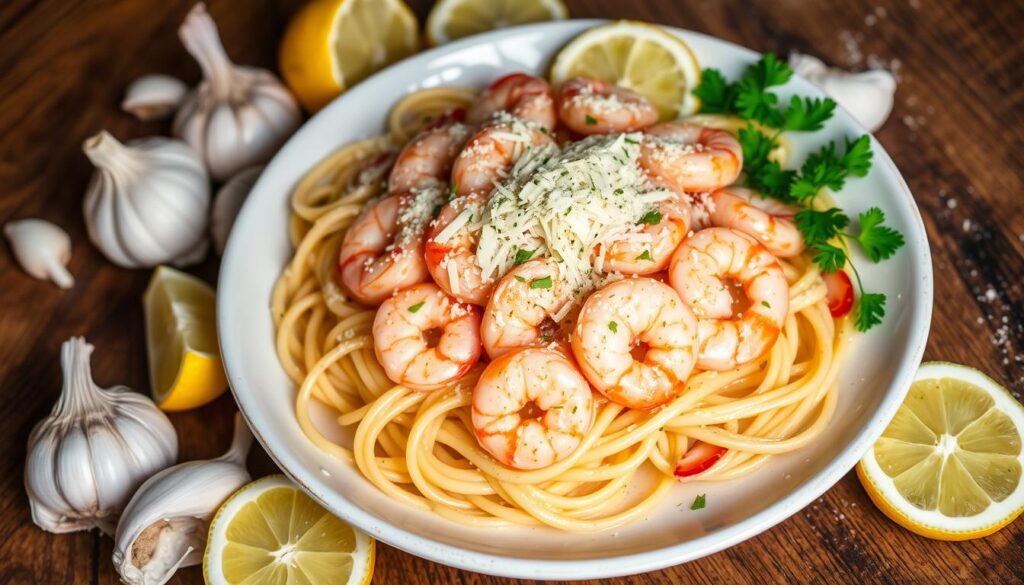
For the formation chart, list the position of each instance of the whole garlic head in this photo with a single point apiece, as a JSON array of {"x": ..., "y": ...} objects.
[
  {"x": 868, "y": 95},
  {"x": 238, "y": 116},
  {"x": 165, "y": 524},
  {"x": 42, "y": 249},
  {"x": 86, "y": 459},
  {"x": 147, "y": 202}
]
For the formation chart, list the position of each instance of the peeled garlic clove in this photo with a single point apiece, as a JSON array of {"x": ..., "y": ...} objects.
[
  {"x": 154, "y": 97},
  {"x": 42, "y": 249},
  {"x": 97, "y": 445},
  {"x": 238, "y": 116},
  {"x": 868, "y": 95},
  {"x": 147, "y": 203},
  {"x": 165, "y": 524},
  {"x": 228, "y": 202}
]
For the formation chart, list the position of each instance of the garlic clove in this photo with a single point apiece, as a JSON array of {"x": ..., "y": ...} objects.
[
  {"x": 154, "y": 97},
  {"x": 868, "y": 95},
  {"x": 228, "y": 202},
  {"x": 42, "y": 249},
  {"x": 97, "y": 445},
  {"x": 165, "y": 524}
]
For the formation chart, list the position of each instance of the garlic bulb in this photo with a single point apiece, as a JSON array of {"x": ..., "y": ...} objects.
[
  {"x": 227, "y": 204},
  {"x": 154, "y": 97},
  {"x": 165, "y": 524},
  {"x": 868, "y": 95},
  {"x": 147, "y": 202},
  {"x": 238, "y": 116},
  {"x": 42, "y": 249},
  {"x": 86, "y": 459}
]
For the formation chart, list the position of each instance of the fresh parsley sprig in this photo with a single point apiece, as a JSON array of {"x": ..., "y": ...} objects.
[{"x": 824, "y": 230}]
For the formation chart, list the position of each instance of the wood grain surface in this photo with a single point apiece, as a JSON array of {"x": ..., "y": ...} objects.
[{"x": 957, "y": 134}]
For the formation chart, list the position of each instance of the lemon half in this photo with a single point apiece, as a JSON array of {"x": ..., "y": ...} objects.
[
  {"x": 330, "y": 45},
  {"x": 949, "y": 464},
  {"x": 639, "y": 56},
  {"x": 455, "y": 19},
  {"x": 185, "y": 369},
  {"x": 271, "y": 533}
]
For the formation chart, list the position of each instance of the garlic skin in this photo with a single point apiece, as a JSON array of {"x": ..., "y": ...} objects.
[
  {"x": 228, "y": 202},
  {"x": 147, "y": 202},
  {"x": 165, "y": 524},
  {"x": 86, "y": 459},
  {"x": 154, "y": 97},
  {"x": 42, "y": 249},
  {"x": 238, "y": 116},
  {"x": 868, "y": 95}
]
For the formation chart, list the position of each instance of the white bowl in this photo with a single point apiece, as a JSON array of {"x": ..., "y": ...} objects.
[{"x": 873, "y": 381}]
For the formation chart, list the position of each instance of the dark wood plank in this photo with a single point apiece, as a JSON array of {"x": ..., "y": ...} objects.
[{"x": 957, "y": 133}]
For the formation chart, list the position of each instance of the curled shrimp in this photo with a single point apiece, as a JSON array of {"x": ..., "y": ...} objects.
[
  {"x": 690, "y": 158},
  {"x": 636, "y": 341},
  {"x": 527, "y": 97},
  {"x": 425, "y": 339},
  {"x": 381, "y": 254},
  {"x": 491, "y": 152},
  {"x": 649, "y": 248},
  {"x": 708, "y": 270},
  {"x": 767, "y": 220},
  {"x": 428, "y": 156},
  {"x": 521, "y": 310},
  {"x": 450, "y": 250},
  {"x": 531, "y": 408},
  {"x": 591, "y": 106}
]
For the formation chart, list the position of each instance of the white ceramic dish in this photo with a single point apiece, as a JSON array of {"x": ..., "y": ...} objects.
[{"x": 873, "y": 381}]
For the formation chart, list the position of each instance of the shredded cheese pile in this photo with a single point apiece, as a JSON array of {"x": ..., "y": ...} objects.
[{"x": 564, "y": 205}]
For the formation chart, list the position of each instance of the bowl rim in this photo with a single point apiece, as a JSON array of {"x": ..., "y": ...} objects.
[{"x": 632, "y": 563}]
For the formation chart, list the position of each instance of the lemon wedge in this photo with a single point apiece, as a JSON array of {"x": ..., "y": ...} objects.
[
  {"x": 185, "y": 369},
  {"x": 269, "y": 532},
  {"x": 330, "y": 45},
  {"x": 638, "y": 56},
  {"x": 454, "y": 19},
  {"x": 949, "y": 464}
]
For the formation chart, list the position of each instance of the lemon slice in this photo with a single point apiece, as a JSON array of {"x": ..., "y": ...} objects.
[
  {"x": 269, "y": 532},
  {"x": 639, "y": 56},
  {"x": 330, "y": 45},
  {"x": 949, "y": 464},
  {"x": 454, "y": 19},
  {"x": 185, "y": 369}
]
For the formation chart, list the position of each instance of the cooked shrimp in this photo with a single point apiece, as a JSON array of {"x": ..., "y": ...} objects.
[
  {"x": 379, "y": 254},
  {"x": 531, "y": 408},
  {"x": 428, "y": 156},
  {"x": 636, "y": 342},
  {"x": 491, "y": 152},
  {"x": 708, "y": 271},
  {"x": 592, "y": 106},
  {"x": 767, "y": 220},
  {"x": 426, "y": 339},
  {"x": 450, "y": 250},
  {"x": 649, "y": 248},
  {"x": 521, "y": 310},
  {"x": 524, "y": 96},
  {"x": 690, "y": 158}
]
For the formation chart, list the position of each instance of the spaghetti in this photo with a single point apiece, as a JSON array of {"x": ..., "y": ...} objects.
[{"x": 419, "y": 447}]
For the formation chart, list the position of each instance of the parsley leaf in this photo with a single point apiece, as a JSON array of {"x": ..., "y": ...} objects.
[
  {"x": 523, "y": 256},
  {"x": 416, "y": 307},
  {"x": 879, "y": 241},
  {"x": 870, "y": 310},
  {"x": 820, "y": 226},
  {"x": 808, "y": 114},
  {"x": 769, "y": 71},
  {"x": 699, "y": 502},
  {"x": 756, "y": 146},
  {"x": 773, "y": 181},
  {"x": 715, "y": 93},
  {"x": 651, "y": 217},
  {"x": 830, "y": 258},
  {"x": 857, "y": 159},
  {"x": 754, "y": 103},
  {"x": 541, "y": 282}
]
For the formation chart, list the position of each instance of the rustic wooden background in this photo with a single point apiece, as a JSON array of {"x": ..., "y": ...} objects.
[{"x": 957, "y": 133}]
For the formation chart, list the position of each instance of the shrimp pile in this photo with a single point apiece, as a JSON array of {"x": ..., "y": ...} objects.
[{"x": 670, "y": 295}]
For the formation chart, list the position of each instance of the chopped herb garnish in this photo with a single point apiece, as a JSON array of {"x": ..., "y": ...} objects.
[
  {"x": 646, "y": 256},
  {"x": 451, "y": 191},
  {"x": 613, "y": 326},
  {"x": 618, "y": 191},
  {"x": 435, "y": 212},
  {"x": 523, "y": 256},
  {"x": 520, "y": 278},
  {"x": 630, "y": 140},
  {"x": 651, "y": 217},
  {"x": 591, "y": 121},
  {"x": 698, "y": 502},
  {"x": 541, "y": 282},
  {"x": 767, "y": 304},
  {"x": 416, "y": 307}
]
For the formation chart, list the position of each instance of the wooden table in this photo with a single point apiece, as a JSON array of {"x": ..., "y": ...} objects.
[{"x": 957, "y": 133}]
